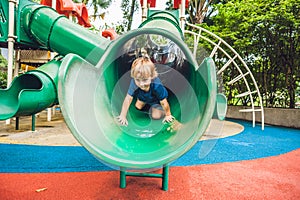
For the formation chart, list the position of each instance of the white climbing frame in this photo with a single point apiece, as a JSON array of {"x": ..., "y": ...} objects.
[{"x": 198, "y": 34}]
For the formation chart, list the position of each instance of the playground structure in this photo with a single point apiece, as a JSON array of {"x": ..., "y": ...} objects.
[{"x": 90, "y": 79}]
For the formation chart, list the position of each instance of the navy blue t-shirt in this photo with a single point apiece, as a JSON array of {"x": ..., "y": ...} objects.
[{"x": 156, "y": 93}]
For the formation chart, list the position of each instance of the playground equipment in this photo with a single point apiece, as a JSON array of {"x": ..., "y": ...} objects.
[
  {"x": 92, "y": 81},
  {"x": 91, "y": 78}
]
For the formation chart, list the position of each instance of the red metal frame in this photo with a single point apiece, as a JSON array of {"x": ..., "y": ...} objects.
[
  {"x": 67, "y": 7},
  {"x": 178, "y": 2}
]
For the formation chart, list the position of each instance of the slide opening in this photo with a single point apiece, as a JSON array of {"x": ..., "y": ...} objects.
[
  {"x": 29, "y": 81},
  {"x": 91, "y": 99}
]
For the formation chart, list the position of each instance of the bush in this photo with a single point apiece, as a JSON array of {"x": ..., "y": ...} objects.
[
  {"x": 3, "y": 71},
  {"x": 3, "y": 79}
]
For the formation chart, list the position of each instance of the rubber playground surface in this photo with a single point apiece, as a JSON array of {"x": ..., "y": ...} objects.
[{"x": 253, "y": 164}]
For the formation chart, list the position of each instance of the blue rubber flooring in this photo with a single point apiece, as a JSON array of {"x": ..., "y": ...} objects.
[{"x": 252, "y": 143}]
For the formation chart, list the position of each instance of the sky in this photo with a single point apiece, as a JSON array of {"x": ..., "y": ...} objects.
[{"x": 114, "y": 13}]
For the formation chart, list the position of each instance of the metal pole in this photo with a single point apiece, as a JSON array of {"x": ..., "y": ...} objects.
[
  {"x": 144, "y": 10},
  {"x": 17, "y": 62},
  {"x": 17, "y": 123},
  {"x": 182, "y": 15},
  {"x": 10, "y": 42},
  {"x": 49, "y": 114},
  {"x": 51, "y": 55},
  {"x": 165, "y": 178},
  {"x": 33, "y": 122},
  {"x": 122, "y": 177},
  {"x": 54, "y": 4}
]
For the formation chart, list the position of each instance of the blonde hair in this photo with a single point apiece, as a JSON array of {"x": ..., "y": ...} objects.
[{"x": 143, "y": 67}]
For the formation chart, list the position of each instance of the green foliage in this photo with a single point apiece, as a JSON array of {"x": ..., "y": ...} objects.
[
  {"x": 128, "y": 8},
  {"x": 3, "y": 79},
  {"x": 266, "y": 34},
  {"x": 3, "y": 72},
  {"x": 36, "y": 1},
  {"x": 96, "y": 4},
  {"x": 3, "y": 62}
]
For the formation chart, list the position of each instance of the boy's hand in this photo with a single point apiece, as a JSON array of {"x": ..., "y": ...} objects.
[
  {"x": 168, "y": 119},
  {"x": 122, "y": 120},
  {"x": 174, "y": 126}
]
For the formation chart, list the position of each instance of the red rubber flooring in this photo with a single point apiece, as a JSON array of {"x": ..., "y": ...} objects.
[{"x": 271, "y": 178}]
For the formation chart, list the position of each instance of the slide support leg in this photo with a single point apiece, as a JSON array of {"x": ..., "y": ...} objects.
[
  {"x": 164, "y": 176},
  {"x": 33, "y": 122},
  {"x": 17, "y": 123}
]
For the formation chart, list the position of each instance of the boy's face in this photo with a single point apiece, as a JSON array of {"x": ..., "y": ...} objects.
[{"x": 143, "y": 83}]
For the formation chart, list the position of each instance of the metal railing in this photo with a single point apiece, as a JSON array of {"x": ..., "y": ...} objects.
[{"x": 232, "y": 57}]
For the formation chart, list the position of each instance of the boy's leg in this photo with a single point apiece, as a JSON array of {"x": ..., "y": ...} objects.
[
  {"x": 139, "y": 104},
  {"x": 157, "y": 112}
]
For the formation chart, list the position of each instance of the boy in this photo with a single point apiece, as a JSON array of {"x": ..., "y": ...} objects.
[{"x": 147, "y": 87}]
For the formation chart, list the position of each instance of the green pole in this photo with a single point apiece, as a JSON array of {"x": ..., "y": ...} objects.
[
  {"x": 122, "y": 178},
  {"x": 33, "y": 122},
  {"x": 17, "y": 123},
  {"x": 165, "y": 178}
]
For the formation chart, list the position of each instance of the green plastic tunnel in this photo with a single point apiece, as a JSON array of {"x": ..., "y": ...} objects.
[
  {"x": 91, "y": 94},
  {"x": 91, "y": 98}
]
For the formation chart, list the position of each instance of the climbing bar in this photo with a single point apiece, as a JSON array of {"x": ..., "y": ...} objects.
[
  {"x": 245, "y": 94},
  {"x": 226, "y": 65},
  {"x": 238, "y": 78},
  {"x": 250, "y": 110},
  {"x": 215, "y": 49}
]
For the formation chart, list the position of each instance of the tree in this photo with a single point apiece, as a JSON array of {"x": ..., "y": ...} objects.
[
  {"x": 96, "y": 4},
  {"x": 128, "y": 7},
  {"x": 3, "y": 73},
  {"x": 266, "y": 34},
  {"x": 198, "y": 10}
]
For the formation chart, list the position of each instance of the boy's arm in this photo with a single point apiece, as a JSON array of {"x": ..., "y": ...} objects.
[
  {"x": 126, "y": 103},
  {"x": 168, "y": 116}
]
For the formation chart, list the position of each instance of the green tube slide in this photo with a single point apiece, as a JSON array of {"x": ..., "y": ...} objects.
[
  {"x": 90, "y": 105},
  {"x": 31, "y": 92},
  {"x": 92, "y": 80}
]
